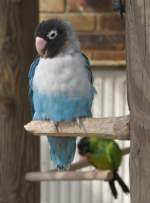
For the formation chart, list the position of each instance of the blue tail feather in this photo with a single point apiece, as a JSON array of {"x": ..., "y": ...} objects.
[{"x": 62, "y": 150}]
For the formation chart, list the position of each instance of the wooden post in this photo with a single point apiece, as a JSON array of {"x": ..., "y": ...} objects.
[
  {"x": 138, "y": 63},
  {"x": 19, "y": 153}
]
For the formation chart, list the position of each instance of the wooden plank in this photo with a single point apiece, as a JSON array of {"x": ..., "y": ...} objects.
[
  {"x": 108, "y": 63},
  {"x": 138, "y": 71},
  {"x": 19, "y": 152},
  {"x": 69, "y": 176},
  {"x": 114, "y": 127}
]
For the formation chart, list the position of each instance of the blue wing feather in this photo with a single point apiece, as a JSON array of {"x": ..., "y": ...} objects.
[
  {"x": 90, "y": 75},
  {"x": 88, "y": 67},
  {"x": 30, "y": 78}
]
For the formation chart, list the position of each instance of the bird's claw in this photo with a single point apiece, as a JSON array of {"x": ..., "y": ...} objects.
[
  {"x": 80, "y": 124},
  {"x": 56, "y": 124},
  {"x": 62, "y": 168}
]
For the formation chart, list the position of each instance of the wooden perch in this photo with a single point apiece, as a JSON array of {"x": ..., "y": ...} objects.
[
  {"x": 125, "y": 151},
  {"x": 78, "y": 165},
  {"x": 73, "y": 175},
  {"x": 69, "y": 176},
  {"x": 112, "y": 127}
]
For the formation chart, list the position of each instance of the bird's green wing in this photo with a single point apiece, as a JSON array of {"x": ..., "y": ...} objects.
[
  {"x": 115, "y": 154},
  {"x": 100, "y": 157}
]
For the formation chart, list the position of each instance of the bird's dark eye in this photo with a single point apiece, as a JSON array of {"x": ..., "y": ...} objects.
[{"x": 52, "y": 34}]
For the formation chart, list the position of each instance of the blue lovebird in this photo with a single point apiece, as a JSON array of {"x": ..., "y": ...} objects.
[{"x": 60, "y": 84}]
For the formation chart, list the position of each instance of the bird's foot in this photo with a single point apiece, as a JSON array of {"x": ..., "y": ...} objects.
[
  {"x": 62, "y": 168},
  {"x": 56, "y": 124},
  {"x": 80, "y": 124}
]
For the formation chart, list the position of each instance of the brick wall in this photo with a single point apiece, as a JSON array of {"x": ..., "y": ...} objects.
[{"x": 101, "y": 33}]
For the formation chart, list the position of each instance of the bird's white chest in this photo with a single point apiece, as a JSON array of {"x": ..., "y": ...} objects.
[{"x": 65, "y": 74}]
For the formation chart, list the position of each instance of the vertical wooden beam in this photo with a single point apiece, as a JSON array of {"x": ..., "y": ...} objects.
[
  {"x": 138, "y": 63},
  {"x": 19, "y": 153}
]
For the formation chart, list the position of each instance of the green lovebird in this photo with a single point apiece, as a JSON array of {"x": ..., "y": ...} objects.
[{"x": 104, "y": 154}]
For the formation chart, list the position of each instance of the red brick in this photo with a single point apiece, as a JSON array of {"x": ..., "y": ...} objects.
[
  {"x": 78, "y": 5},
  {"x": 100, "y": 5},
  {"x": 111, "y": 23},
  {"x": 81, "y": 22},
  {"x": 102, "y": 41},
  {"x": 108, "y": 55},
  {"x": 90, "y": 5},
  {"x": 52, "y": 5}
]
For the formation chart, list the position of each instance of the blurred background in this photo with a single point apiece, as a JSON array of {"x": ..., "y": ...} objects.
[{"x": 101, "y": 34}]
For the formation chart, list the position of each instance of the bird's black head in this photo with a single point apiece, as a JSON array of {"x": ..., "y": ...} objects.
[
  {"x": 84, "y": 146},
  {"x": 50, "y": 37}
]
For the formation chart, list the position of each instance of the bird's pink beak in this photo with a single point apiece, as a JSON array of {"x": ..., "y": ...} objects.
[{"x": 40, "y": 45}]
